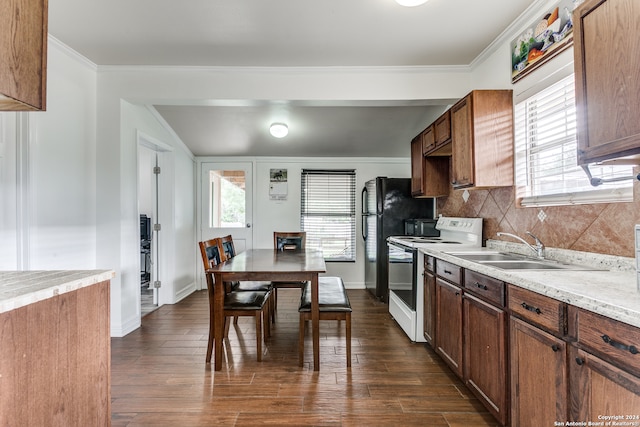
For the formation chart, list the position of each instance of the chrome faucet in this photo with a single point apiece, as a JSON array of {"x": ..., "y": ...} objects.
[{"x": 538, "y": 248}]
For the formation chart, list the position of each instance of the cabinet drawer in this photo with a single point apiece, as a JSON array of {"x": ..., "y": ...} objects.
[
  {"x": 614, "y": 341},
  {"x": 548, "y": 313},
  {"x": 449, "y": 271},
  {"x": 429, "y": 263},
  {"x": 487, "y": 288}
]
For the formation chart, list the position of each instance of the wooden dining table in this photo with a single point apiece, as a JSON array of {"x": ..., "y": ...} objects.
[{"x": 268, "y": 265}]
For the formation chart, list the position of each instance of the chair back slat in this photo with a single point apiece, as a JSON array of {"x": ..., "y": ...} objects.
[
  {"x": 289, "y": 241},
  {"x": 227, "y": 247},
  {"x": 210, "y": 252}
]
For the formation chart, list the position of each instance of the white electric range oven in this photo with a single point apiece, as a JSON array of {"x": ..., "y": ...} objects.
[{"x": 406, "y": 265}]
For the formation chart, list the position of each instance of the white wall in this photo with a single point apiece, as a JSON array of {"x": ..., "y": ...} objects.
[
  {"x": 175, "y": 241},
  {"x": 61, "y": 169},
  {"x": 52, "y": 206}
]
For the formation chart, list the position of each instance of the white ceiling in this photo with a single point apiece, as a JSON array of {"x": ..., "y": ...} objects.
[{"x": 284, "y": 33}]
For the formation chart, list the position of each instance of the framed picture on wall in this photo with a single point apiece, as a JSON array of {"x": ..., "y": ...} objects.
[{"x": 543, "y": 39}]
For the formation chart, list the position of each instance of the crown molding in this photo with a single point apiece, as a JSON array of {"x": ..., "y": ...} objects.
[
  {"x": 423, "y": 69},
  {"x": 71, "y": 53}
]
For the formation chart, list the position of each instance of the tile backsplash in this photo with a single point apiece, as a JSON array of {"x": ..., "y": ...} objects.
[{"x": 606, "y": 228}]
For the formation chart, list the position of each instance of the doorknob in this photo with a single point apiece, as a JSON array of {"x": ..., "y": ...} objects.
[{"x": 248, "y": 225}]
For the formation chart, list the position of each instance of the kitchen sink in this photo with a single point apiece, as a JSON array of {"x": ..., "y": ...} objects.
[
  {"x": 531, "y": 265},
  {"x": 509, "y": 261},
  {"x": 487, "y": 256}
]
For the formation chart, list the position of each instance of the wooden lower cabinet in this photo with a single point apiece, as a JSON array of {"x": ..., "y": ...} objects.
[
  {"x": 429, "y": 310},
  {"x": 55, "y": 361},
  {"x": 599, "y": 388},
  {"x": 539, "y": 377},
  {"x": 485, "y": 362},
  {"x": 449, "y": 324}
]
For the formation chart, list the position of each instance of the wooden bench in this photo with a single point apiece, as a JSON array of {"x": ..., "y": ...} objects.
[{"x": 333, "y": 304}]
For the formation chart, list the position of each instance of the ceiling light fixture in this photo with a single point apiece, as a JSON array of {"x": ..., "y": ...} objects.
[
  {"x": 278, "y": 130},
  {"x": 411, "y": 3}
]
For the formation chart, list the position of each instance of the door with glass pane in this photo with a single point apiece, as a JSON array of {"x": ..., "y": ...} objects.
[{"x": 227, "y": 202}]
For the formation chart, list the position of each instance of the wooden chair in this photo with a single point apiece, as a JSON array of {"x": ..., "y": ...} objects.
[
  {"x": 333, "y": 305},
  {"x": 228, "y": 251},
  {"x": 288, "y": 241},
  {"x": 243, "y": 303}
]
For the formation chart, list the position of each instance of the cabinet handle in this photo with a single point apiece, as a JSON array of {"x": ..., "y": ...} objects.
[
  {"x": 481, "y": 286},
  {"x": 555, "y": 348},
  {"x": 580, "y": 361},
  {"x": 630, "y": 348},
  {"x": 447, "y": 272},
  {"x": 531, "y": 308},
  {"x": 457, "y": 293}
]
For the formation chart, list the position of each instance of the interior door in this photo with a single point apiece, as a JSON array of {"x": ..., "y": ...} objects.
[{"x": 227, "y": 202}]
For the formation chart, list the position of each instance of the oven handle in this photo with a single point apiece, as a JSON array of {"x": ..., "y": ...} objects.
[
  {"x": 405, "y": 249},
  {"x": 402, "y": 247}
]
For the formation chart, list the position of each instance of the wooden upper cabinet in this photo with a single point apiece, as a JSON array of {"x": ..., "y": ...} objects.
[
  {"x": 482, "y": 139},
  {"x": 23, "y": 55},
  {"x": 443, "y": 128},
  {"x": 417, "y": 160},
  {"x": 607, "y": 75},
  {"x": 428, "y": 139}
]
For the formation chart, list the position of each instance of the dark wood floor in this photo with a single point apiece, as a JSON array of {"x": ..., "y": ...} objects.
[{"x": 159, "y": 375}]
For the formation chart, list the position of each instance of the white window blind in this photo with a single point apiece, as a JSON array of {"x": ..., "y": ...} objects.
[
  {"x": 328, "y": 212},
  {"x": 547, "y": 172}
]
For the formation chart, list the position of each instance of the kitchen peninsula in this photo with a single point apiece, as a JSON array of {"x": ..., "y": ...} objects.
[{"x": 55, "y": 348}]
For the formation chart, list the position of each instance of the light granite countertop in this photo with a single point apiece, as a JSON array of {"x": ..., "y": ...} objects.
[
  {"x": 21, "y": 288},
  {"x": 611, "y": 292}
]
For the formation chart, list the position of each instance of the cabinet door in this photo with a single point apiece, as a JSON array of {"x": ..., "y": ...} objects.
[
  {"x": 417, "y": 187},
  {"x": 538, "y": 376},
  {"x": 428, "y": 140},
  {"x": 23, "y": 49},
  {"x": 443, "y": 128},
  {"x": 462, "y": 142},
  {"x": 485, "y": 367},
  {"x": 449, "y": 324},
  {"x": 429, "y": 318},
  {"x": 607, "y": 80},
  {"x": 598, "y": 388}
]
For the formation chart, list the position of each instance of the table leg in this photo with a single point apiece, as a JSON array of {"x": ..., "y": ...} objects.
[
  {"x": 219, "y": 320},
  {"x": 315, "y": 322}
]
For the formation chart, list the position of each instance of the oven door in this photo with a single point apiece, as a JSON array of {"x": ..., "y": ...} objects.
[{"x": 403, "y": 264}]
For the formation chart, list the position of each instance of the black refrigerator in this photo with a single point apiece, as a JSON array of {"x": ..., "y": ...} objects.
[{"x": 386, "y": 203}]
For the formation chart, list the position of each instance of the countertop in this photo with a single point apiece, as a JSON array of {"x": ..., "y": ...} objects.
[
  {"x": 612, "y": 292},
  {"x": 21, "y": 288}
]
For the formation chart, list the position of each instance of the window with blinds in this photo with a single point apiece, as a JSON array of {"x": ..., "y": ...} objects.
[
  {"x": 328, "y": 212},
  {"x": 547, "y": 172}
]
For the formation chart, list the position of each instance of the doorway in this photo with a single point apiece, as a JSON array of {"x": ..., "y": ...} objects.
[
  {"x": 148, "y": 212},
  {"x": 227, "y": 202},
  {"x": 151, "y": 159}
]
